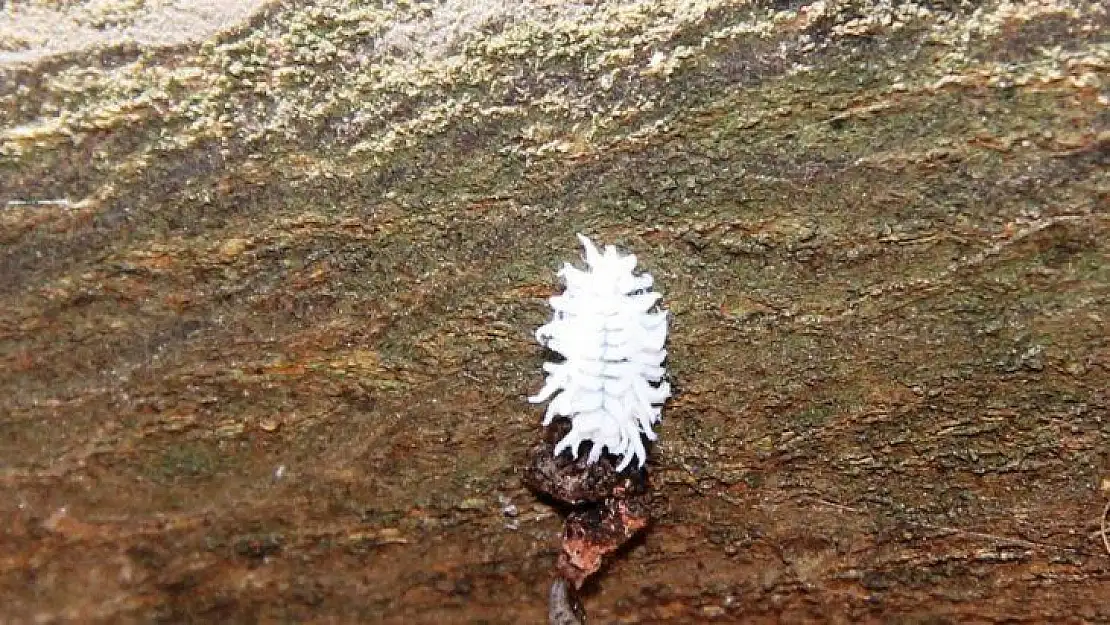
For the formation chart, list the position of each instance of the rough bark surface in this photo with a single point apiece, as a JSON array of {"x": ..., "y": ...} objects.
[{"x": 267, "y": 296}]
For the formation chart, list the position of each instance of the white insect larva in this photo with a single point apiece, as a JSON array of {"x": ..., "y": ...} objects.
[{"x": 610, "y": 383}]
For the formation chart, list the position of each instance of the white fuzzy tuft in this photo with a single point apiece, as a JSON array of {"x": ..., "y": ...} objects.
[{"x": 610, "y": 381}]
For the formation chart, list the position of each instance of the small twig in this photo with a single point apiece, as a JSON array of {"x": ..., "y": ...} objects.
[
  {"x": 563, "y": 605},
  {"x": 994, "y": 537},
  {"x": 61, "y": 202},
  {"x": 838, "y": 506}
]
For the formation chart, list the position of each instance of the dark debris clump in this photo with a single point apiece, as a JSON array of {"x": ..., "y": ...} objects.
[{"x": 606, "y": 508}]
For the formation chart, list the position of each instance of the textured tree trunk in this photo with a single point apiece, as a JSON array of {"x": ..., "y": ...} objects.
[{"x": 268, "y": 288}]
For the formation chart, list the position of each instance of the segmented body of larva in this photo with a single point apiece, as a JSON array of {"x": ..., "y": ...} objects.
[{"x": 609, "y": 329}]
